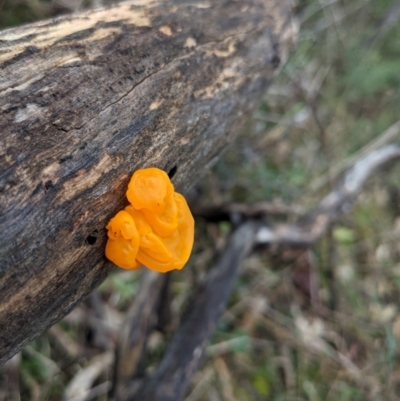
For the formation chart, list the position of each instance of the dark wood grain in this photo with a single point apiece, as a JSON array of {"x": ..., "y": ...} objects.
[{"x": 87, "y": 99}]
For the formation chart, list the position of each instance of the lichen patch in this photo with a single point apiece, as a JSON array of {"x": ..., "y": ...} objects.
[
  {"x": 29, "y": 111},
  {"x": 202, "y": 5},
  {"x": 190, "y": 42},
  {"x": 155, "y": 105},
  {"x": 49, "y": 172},
  {"x": 224, "y": 53},
  {"x": 166, "y": 30},
  {"x": 85, "y": 178}
]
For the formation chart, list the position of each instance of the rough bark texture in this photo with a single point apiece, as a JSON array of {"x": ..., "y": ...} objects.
[{"x": 87, "y": 99}]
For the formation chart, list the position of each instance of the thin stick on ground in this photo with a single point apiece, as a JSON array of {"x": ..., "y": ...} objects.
[
  {"x": 240, "y": 211},
  {"x": 386, "y": 137},
  {"x": 134, "y": 333},
  {"x": 308, "y": 230}
]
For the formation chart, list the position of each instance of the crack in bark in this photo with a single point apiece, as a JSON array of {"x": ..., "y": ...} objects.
[{"x": 180, "y": 58}]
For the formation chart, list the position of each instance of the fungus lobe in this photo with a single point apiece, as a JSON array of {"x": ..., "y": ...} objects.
[{"x": 155, "y": 230}]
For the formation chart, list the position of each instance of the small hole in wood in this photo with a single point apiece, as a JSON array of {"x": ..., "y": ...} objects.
[
  {"x": 49, "y": 185},
  {"x": 172, "y": 172},
  {"x": 92, "y": 238}
]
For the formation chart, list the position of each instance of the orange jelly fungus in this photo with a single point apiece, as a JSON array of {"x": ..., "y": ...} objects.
[{"x": 155, "y": 230}]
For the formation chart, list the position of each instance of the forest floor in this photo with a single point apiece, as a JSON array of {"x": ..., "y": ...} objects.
[{"x": 316, "y": 324}]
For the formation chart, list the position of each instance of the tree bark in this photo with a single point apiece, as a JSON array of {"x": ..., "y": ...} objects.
[{"x": 87, "y": 99}]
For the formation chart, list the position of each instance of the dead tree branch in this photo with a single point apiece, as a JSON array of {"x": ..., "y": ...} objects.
[
  {"x": 309, "y": 229},
  {"x": 85, "y": 100},
  {"x": 239, "y": 211}
]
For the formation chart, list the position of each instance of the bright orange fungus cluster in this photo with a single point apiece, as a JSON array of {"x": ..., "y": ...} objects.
[{"x": 155, "y": 230}]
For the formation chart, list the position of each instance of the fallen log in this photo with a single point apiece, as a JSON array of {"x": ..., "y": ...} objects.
[{"x": 84, "y": 101}]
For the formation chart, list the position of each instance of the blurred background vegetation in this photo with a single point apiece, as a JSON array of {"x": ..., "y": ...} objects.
[{"x": 315, "y": 324}]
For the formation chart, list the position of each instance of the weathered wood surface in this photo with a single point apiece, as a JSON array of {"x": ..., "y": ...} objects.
[{"x": 87, "y": 99}]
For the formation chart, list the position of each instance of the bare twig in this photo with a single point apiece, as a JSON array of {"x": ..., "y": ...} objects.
[
  {"x": 94, "y": 392},
  {"x": 225, "y": 379},
  {"x": 10, "y": 379},
  {"x": 201, "y": 385},
  {"x": 70, "y": 347},
  {"x": 140, "y": 319},
  {"x": 81, "y": 384},
  {"x": 165, "y": 321},
  {"x": 239, "y": 211},
  {"x": 390, "y": 19},
  {"x": 338, "y": 201},
  {"x": 387, "y": 136}
]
